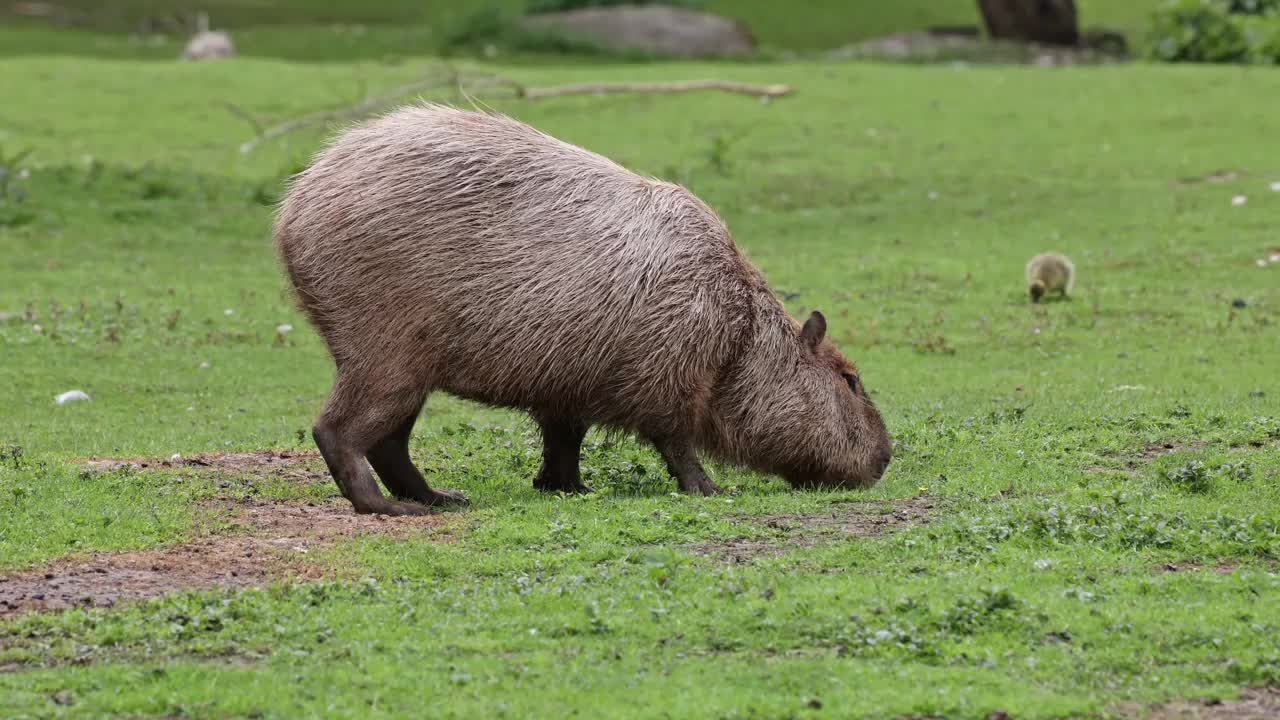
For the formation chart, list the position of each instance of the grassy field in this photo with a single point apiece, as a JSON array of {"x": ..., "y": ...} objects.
[
  {"x": 395, "y": 29},
  {"x": 1099, "y": 476}
]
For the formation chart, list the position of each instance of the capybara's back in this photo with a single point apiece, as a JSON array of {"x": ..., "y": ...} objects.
[
  {"x": 509, "y": 267},
  {"x": 434, "y": 248}
]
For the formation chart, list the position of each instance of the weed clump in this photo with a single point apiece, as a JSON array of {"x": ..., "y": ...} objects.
[
  {"x": 1192, "y": 476},
  {"x": 1217, "y": 31},
  {"x": 1116, "y": 526}
]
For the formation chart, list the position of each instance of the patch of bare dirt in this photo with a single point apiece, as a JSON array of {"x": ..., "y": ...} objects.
[
  {"x": 800, "y": 530},
  {"x": 1153, "y": 450},
  {"x": 1253, "y": 704},
  {"x": 268, "y": 540},
  {"x": 1138, "y": 457},
  {"x": 1222, "y": 567},
  {"x": 305, "y": 465}
]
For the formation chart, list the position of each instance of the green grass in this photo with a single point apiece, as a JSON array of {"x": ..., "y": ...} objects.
[
  {"x": 901, "y": 201},
  {"x": 309, "y": 30}
]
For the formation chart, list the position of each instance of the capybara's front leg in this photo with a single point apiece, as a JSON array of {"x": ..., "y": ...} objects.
[
  {"x": 561, "y": 448},
  {"x": 682, "y": 463}
]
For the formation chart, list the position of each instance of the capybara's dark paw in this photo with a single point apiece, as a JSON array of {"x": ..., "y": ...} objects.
[
  {"x": 440, "y": 498},
  {"x": 703, "y": 486},
  {"x": 560, "y": 485}
]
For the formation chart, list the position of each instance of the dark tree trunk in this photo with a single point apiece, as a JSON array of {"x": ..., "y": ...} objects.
[{"x": 1052, "y": 22}]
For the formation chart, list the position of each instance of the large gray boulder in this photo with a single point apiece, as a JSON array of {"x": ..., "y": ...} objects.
[{"x": 658, "y": 29}]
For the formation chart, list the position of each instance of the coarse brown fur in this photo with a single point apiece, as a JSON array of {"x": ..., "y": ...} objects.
[
  {"x": 1050, "y": 272},
  {"x": 441, "y": 249}
]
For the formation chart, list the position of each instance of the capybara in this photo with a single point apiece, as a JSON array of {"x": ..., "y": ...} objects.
[
  {"x": 1050, "y": 272},
  {"x": 441, "y": 249}
]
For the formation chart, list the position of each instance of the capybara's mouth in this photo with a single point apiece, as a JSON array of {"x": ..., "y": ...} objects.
[{"x": 828, "y": 481}]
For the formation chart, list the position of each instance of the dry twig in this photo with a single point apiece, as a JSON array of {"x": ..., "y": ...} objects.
[
  {"x": 360, "y": 109},
  {"x": 767, "y": 91},
  {"x": 451, "y": 78}
]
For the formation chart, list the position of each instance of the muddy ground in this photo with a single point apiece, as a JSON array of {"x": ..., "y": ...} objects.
[
  {"x": 1253, "y": 704},
  {"x": 240, "y": 542},
  {"x": 262, "y": 541},
  {"x": 302, "y": 465}
]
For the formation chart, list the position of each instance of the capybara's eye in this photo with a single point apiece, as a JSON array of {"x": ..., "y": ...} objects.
[{"x": 853, "y": 382}]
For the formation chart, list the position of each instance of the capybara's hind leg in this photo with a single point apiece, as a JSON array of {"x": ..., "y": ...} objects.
[
  {"x": 561, "y": 445},
  {"x": 354, "y": 418},
  {"x": 682, "y": 463},
  {"x": 390, "y": 459}
]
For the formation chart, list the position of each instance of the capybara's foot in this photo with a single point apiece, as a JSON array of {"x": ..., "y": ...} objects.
[
  {"x": 702, "y": 486},
  {"x": 548, "y": 482},
  {"x": 383, "y": 506},
  {"x": 440, "y": 497}
]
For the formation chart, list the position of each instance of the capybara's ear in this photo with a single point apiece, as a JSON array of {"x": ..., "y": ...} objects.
[{"x": 815, "y": 328}]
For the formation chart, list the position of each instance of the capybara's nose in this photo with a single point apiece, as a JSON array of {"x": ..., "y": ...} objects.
[{"x": 882, "y": 462}]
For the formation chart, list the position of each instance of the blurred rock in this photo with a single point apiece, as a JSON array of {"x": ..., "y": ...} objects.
[
  {"x": 658, "y": 29},
  {"x": 209, "y": 45},
  {"x": 907, "y": 45},
  {"x": 71, "y": 396}
]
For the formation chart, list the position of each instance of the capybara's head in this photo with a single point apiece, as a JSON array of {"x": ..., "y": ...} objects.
[
  {"x": 1037, "y": 290},
  {"x": 850, "y": 446}
]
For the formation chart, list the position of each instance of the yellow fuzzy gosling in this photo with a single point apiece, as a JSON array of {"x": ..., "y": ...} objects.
[{"x": 1050, "y": 272}]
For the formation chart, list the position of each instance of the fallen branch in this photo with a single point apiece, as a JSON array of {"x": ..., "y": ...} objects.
[
  {"x": 246, "y": 116},
  {"x": 767, "y": 91},
  {"x": 358, "y": 110},
  {"x": 453, "y": 79}
]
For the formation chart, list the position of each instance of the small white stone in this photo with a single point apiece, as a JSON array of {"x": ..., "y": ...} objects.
[
  {"x": 933, "y": 194},
  {"x": 1275, "y": 186},
  {"x": 71, "y": 396},
  {"x": 228, "y": 311},
  {"x": 37, "y": 329},
  {"x": 208, "y": 45},
  {"x": 204, "y": 366},
  {"x": 1239, "y": 200},
  {"x": 191, "y": 408},
  {"x": 284, "y": 329}
]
